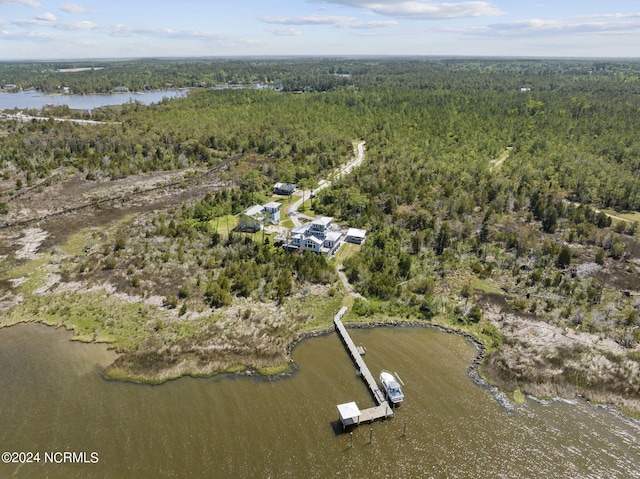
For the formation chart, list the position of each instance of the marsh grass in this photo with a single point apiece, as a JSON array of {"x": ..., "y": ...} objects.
[
  {"x": 518, "y": 397},
  {"x": 274, "y": 370},
  {"x": 92, "y": 316},
  {"x": 319, "y": 310}
]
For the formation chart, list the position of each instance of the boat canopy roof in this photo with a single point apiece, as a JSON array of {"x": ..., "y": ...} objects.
[{"x": 348, "y": 411}]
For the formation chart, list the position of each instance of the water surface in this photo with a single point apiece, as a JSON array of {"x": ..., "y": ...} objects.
[
  {"x": 37, "y": 99},
  {"x": 52, "y": 398}
]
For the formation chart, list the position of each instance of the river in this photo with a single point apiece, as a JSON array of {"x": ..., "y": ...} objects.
[
  {"x": 53, "y": 399},
  {"x": 36, "y": 99}
]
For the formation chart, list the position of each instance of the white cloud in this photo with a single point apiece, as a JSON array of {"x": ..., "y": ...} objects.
[
  {"x": 47, "y": 17},
  {"x": 310, "y": 20},
  {"x": 22, "y": 36},
  {"x": 423, "y": 10},
  {"x": 73, "y": 8},
  {"x": 538, "y": 27},
  {"x": 373, "y": 24},
  {"x": 338, "y": 21},
  {"x": 612, "y": 15},
  {"x": 26, "y": 3},
  {"x": 115, "y": 30},
  {"x": 83, "y": 25},
  {"x": 31, "y": 23},
  {"x": 120, "y": 30},
  {"x": 285, "y": 32}
]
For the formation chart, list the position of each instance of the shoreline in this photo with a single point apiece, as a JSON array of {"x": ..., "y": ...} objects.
[{"x": 473, "y": 369}]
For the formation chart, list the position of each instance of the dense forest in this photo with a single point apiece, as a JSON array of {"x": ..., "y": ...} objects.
[{"x": 488, "y": 183}]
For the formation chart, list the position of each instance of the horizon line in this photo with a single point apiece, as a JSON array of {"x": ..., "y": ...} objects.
[{"x": 324, "y": 57}]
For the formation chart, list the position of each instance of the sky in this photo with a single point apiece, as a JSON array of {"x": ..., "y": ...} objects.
[{"x": 95, "y": 29}]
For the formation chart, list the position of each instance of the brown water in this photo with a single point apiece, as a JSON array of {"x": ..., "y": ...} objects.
[{"x": 52, "y": 398}]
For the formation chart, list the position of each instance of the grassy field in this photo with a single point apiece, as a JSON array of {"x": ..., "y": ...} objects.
[{"x": 627, "y": 215}]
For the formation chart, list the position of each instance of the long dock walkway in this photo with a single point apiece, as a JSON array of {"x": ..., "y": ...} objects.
[{"x": 382, "y": 410}]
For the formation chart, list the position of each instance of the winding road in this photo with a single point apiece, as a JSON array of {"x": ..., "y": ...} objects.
[{"x": 292, "y": 210}]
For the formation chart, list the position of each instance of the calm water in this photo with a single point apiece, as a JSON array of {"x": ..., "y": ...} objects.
[
  {"x": 52, "y": 398},
  {"x": 36, "y": 99}
]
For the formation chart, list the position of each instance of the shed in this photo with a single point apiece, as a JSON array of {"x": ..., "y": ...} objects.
[
  {"x": 284, "y": 188},
  {"x": 355, "y": 235}
]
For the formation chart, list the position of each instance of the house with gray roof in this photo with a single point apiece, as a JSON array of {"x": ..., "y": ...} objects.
[{"x": 285, "y": 188}]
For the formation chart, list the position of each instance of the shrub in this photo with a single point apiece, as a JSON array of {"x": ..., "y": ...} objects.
[
  {"x": 120, "y": 244},
  {"x": 170, "y": 301},
  {"x": 183, "y": 291},
  {"x": 617, "y": 249},
  {"x": 494, "y": 334},
  {"x": 564, "y": 257},
  {"x": 110, "y": 263},
  {"x": 475, "y": 314},
  {"x": 428, "y": 308},
  {"x": 361, "y": 307},
  {"x": 217, "y": 296}
]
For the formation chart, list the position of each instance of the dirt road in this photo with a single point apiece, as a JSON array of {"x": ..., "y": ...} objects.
[{"x": 292, "y": 209}]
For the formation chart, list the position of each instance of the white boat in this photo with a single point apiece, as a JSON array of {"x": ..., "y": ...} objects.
[{"x": 391, "y": 387}]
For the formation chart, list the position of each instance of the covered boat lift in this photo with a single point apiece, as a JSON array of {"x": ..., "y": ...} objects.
[{"x": 349, "y": 414}]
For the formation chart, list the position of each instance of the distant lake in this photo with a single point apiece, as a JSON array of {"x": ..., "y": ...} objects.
[{"x": 37, "y": 99}]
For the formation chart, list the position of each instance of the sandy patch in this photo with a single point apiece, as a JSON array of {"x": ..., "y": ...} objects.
[
  {"x": 30, "y": 241},
  {"x": 9, "y": 301},
  {"x": 15, "y": 282},
  {"x": 71, "y": 287},
  {"x": 52, "y": 280}
]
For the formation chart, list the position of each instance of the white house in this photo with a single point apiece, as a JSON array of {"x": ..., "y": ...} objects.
[
  {"x": 317, "y": 236},
  {"x": 320, "y": 226},
  {"x": 332, "y": 239}
]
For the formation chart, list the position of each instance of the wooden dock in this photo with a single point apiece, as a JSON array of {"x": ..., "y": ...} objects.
[{"x": 382, "y": 408}]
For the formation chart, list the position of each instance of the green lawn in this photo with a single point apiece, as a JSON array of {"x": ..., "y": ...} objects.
[
  {"x": 627, "y": 215},
  {"x": 224, "y": 224}
]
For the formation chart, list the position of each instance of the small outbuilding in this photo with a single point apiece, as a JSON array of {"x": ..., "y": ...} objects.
[
  {"x": 285, "y": 188},
  {"x": 349, "y": 414},
  {"x": 356, "y": 236}
]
